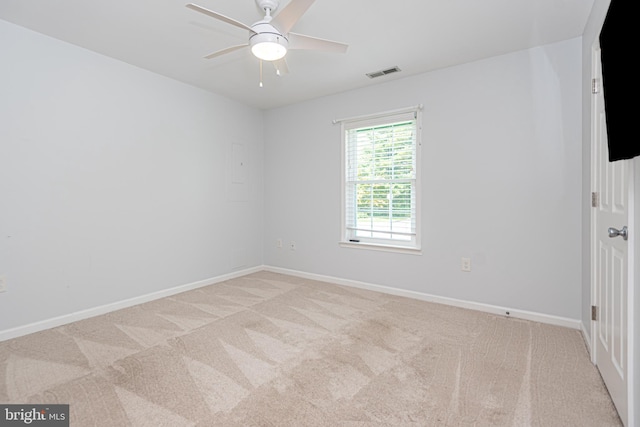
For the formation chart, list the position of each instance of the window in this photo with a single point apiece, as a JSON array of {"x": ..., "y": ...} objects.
[{"x": 380, "y": 200}]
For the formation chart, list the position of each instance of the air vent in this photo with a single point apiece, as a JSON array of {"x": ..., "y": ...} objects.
[{"x": 383, "y": 72}]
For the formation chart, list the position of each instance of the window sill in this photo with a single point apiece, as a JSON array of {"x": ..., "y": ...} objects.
[{"x": 384, "y": 248}]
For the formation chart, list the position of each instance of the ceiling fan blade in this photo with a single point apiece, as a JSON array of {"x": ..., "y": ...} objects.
[
  {"x": 281, "y": 66},
  {"x": 226, "y": 50},
  {"x": 218, "y": 16},
  {"x": 287, "y": 17},
  {"x": 300, "y": 41}
]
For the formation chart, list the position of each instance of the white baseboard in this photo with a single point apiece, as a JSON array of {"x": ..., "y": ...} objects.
[
  {"x": 107, "y": 308},
  {"x": 587, "y": 339},
  {"x": 493, "y": 309}
]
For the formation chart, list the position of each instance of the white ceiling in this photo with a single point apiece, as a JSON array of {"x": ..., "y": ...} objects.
[{"x": 416, "y": 35}]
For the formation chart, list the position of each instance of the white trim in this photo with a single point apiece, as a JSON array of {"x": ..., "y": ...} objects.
[
  {"x": 487, "y": 308},
  {"x": 378, "y": 115},
  {"x": 383, "y": 248},
  {"x": 586, "y": 337},
  {"x": 631, "y": 297},
  {"x": 595, "y": 50},
  {"x": 107, "y": 308}
]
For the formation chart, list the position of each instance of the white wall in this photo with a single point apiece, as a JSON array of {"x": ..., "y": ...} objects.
[
  {"x": 114, "y": 181},
  {"x": 501, "y": 182}
]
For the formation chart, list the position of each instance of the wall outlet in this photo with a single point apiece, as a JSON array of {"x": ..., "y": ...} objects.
[
  {"x": 279, "y": 243},
  {"x": 3, "y": 284},
  {"x": 466, "y": 264},
  {"x": 292, "y": 246}
]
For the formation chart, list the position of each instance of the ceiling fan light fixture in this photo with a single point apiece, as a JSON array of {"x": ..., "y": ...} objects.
[
  {"x": 270, "y": 42},
  {"x": 269, "y": 46}
]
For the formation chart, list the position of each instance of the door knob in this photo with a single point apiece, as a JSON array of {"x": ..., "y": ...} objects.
[{"x": 614, "y": 232}]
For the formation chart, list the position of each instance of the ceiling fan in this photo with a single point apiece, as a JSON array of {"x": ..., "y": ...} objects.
[{"x": 271, "y": 38}]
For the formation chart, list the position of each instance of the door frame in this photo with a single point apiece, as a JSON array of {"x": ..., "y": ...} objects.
[{"x": 632, "y": 255}]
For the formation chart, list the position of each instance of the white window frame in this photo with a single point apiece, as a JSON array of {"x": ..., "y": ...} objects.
[{"x": 380, "y": 119}]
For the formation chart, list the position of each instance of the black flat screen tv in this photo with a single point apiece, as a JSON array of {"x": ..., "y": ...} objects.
[{"x": 618, "y": 47}]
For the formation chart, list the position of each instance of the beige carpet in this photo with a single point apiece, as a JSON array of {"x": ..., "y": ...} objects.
[{"x": 274, "y": 350}]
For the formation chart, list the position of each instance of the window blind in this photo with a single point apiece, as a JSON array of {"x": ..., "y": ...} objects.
[{"x": 380, "y": 179}]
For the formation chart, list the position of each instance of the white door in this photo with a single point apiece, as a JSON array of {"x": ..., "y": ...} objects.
[{"x": 610, "y": 258}]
